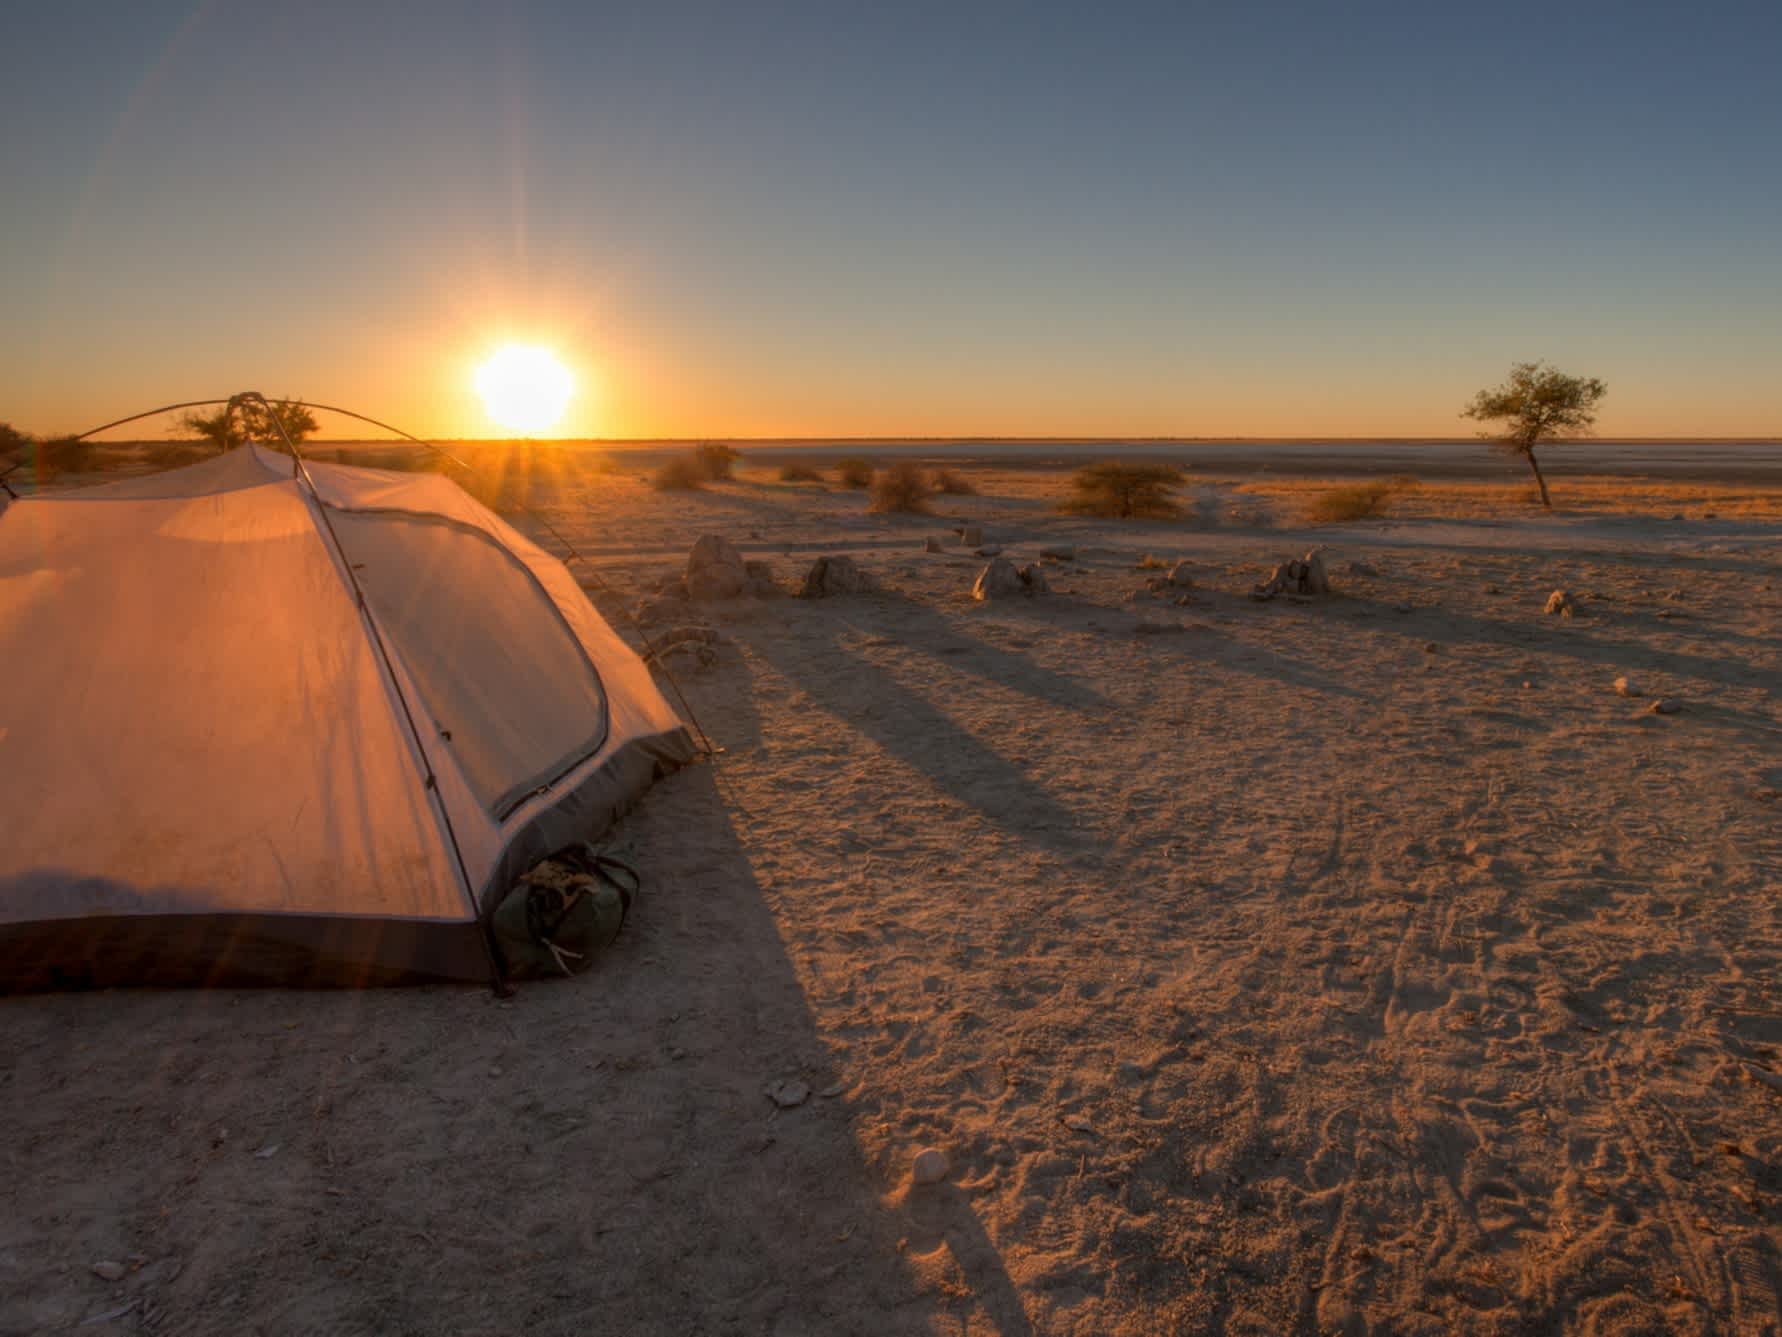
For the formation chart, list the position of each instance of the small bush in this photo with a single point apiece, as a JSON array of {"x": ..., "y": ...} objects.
[
  {"x": 799, "y": 473},
  {"x": 1359, "y": 501},
  {"x": 901, "y": 489},
  {"x": 681, "y": 474},
  {"x": 63, "y": 455},
  {"x": 715, "y": 461},
  {"x": 1124, "y": 491},
  {"x": 854, "y": 472},
  {"x": 950, "y": 484}
]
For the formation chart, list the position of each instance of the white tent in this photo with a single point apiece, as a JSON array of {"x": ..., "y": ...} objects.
[{"x": 216, "y": 764}]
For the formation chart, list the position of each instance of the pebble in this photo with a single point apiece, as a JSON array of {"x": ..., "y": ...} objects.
[
  {"x": 930, "y": 1166},
  {"x": 107, "y": 1270},
  {"x": 1665, "y": 706},
  {"x": 1624, "y": 687},
  {"x": 789, "y": 1093}
]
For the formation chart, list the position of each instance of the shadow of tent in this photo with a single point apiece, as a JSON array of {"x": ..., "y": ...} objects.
[{"x": 596, "y": 1154}]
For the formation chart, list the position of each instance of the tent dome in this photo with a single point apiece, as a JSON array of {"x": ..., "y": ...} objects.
[{"x": 261, "y": 726}]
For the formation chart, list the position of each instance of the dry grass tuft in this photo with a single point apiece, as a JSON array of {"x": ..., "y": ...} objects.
[
  {"x": 1358, "y": 501},
  {"x": 950, "y": 484},
  {"x": 799, "y": 473},
  {"x": 854, "y": 472},
  {"x": 715, "y": 461},
  {"x": 902, "y": 489},
  {"x": 684, "y": 473},
  {"x": 1120, "y": 491}
]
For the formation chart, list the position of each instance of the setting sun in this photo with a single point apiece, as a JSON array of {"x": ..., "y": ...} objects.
[{"x": 524, "y": 389}]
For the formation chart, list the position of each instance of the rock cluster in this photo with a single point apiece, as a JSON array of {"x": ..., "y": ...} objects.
[
  {"x": 715, "y": 570},
  {"x": 1304, "y": 576}
]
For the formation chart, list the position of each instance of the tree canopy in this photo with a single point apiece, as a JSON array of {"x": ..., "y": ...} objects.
[
  {"x": 1537, "y": 403},
  {"x": 252, "y": 422}
]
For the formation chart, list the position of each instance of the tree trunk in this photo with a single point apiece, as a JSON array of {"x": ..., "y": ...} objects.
[{"x": 1541, "y": 482}]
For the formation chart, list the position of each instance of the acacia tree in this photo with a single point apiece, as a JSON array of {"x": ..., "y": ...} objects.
[
  {"x": 1537, "y": 403},
  {"x": 251, "y": 421}
]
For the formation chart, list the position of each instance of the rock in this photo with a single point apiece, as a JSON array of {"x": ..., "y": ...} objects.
[
  {"x": 989, "y": 550},
  {"x": 831, "y": 576},
  {"x": 971, "y": 536},
  {"x": 107, "y": 1270},
  {"x": 933, "y": 545},
  {"x": 1559, "y": 604},
  {"x": 929, "y": 1167},
  {"x": 1665, "y": 706},
  {"x": 1625, "y": 687},
  {"x": 1364, "y": 569},
  {"x": 1315, "y": 580},
  {"x": 715, "y": 570},
  {"x": 788, "y": 1093},
  {"x": 1431, "y": 648},
  {"x": 1002, "y": 579},
  {"x": 1181, "y": 575},
  {"x": 1058, "y": 554}
]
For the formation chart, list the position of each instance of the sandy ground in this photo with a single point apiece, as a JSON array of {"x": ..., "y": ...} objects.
[{"x": 1365, "y": 965}]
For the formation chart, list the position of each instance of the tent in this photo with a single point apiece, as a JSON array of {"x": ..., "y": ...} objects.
[{"x": 263, "y": 723}]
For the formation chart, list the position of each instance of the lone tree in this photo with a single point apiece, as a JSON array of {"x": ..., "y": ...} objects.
[
  {"x": 252, "y": 422},
  {"x": 1538, "y": 403}
]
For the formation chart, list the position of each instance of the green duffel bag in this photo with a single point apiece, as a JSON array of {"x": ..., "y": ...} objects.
[{"x": 559, "y": 916}]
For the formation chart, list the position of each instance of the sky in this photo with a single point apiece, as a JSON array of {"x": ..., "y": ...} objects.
[{"x": 906, "y": 219}]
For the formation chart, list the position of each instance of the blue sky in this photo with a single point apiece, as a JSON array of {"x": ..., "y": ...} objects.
[{"x": 897, "y": 219}]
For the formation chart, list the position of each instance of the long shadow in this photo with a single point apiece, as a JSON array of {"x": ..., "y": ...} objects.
[
  {"x": 597, "y": 1154},
  {"x": 868, "y": 698},
  {"x": 923, "y": 629},
  {"x": 1574, "y": 642}
]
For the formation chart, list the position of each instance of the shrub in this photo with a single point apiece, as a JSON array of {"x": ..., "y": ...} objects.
[
  {"x": 950, "y": 484},
  {"x": 1358, "y": 501},
  {"x": 681, "y": 474},
  {"x": 901, "y": 489},
  {"x": 1124, "y": 491},
  {"x": 799, "y": 473},
  {"x": 715, "y": 461},
  {"x": 63, "y": 454},
  {"x": 854, "y": 472}
]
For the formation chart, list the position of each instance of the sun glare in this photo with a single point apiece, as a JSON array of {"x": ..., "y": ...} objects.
[{"x": 524, "y": 389}]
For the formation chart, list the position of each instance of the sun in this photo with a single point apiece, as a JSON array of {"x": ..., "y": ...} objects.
[{"x": 524, "y": 388}]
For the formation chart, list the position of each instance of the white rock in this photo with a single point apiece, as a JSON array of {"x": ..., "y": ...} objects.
[
  {"x": 999, "y": 580},
  {"x": 1625, "y": 687},
  {"x": 930, "y": 1166}
]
